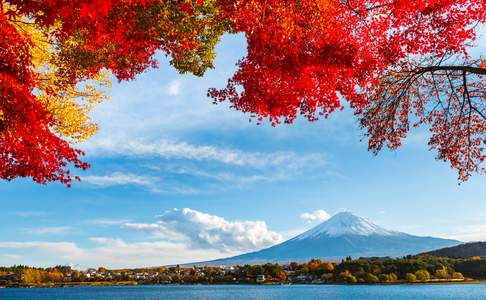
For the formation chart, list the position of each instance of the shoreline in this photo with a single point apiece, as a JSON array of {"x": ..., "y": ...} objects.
[{"x": 134, "y": 283}]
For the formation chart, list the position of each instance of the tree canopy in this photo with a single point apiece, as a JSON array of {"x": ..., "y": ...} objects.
[{"x": 398, "y": 63}]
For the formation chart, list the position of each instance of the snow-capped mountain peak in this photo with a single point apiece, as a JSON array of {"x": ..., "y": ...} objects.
[
  {"x": 345, "y": 223},
  {"x": 344, "y": 234}
]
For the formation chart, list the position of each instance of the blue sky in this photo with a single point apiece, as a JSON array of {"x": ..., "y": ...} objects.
[{"x": 176, "y": 179}]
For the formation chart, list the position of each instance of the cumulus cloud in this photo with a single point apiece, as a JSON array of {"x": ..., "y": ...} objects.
[
  {"x": 317, "y": 215},
  {"x": 204, "y": 231}
]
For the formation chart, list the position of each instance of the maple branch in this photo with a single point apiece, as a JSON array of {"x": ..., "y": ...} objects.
[
  {"x": 468, "y": 69},
  {"x": 466, "y": 96},
  {"x": 464, "y": 70}
]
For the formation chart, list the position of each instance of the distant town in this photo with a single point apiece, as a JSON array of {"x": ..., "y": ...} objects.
[{"x": 410, "y": 269}]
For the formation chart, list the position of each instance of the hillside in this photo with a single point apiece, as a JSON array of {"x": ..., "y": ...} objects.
[{"x": 461, "y": 251}]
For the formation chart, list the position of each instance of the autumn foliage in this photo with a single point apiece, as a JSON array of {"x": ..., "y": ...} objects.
[
  {"x": 305, "y": 57},
  {"x": 53, "y": 55},
  {"x": 28, "y": 146}
]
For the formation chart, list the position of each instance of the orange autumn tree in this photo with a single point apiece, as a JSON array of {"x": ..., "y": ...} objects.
[{"x": 304, "y": 57}]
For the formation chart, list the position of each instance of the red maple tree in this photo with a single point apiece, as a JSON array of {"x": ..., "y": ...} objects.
[
  {"x": 306, "y": 57},
  {"x": 121, "y": 36},
  {"x": 28, "y": 148},
  {"x": 392, "y": 60}
]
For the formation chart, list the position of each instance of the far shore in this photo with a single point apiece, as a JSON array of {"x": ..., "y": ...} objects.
[{"x": 134, "y": 283}]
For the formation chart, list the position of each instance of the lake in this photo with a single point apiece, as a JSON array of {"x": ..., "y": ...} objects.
[{"x": 236, "y": 292}]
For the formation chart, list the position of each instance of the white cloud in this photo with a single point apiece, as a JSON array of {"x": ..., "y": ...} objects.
[
  {"x": 113, "y": 251},
  {"x": 153, "y": 184},
  {"x": 108, "y": 252},
  {"x": 181, "y": 150},
  {"x": 174, "y": 88},
  {"x": 232, "y": 167},
  {"x": 107, "y": 222},
  {"x": 204, "y": 231},
  {"x": 49, "y": 230},
  {"x": 235, "y": 180},
  {"x": 119, "y": 178},
  {"x": 318, "y": 215},
  {"x": 62, "y": 250}
]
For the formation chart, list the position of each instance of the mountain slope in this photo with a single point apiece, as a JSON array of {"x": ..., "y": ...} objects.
[
  {"x": 345, "y": 234},
  {"x": 461, "y": 251}
]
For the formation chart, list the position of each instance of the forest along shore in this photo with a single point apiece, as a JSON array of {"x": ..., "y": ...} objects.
[{"x": 406, "y": 270}]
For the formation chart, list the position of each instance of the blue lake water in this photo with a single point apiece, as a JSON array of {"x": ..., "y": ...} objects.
[{"x": 236, "y": 292}]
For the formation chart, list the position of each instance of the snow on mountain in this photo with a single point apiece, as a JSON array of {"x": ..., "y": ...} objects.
[
  {"x": 345, "y": 234},
  {"x": 345, "y": 223}
]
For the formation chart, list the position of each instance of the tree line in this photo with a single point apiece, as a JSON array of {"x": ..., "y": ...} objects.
[{"x": 409, "y": 269}]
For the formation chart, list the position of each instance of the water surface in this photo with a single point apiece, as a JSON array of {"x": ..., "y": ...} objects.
[{"x": 237, "y": 292}]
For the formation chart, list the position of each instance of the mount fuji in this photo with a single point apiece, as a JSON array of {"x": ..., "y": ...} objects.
[{"x": 345, "y": 234}]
